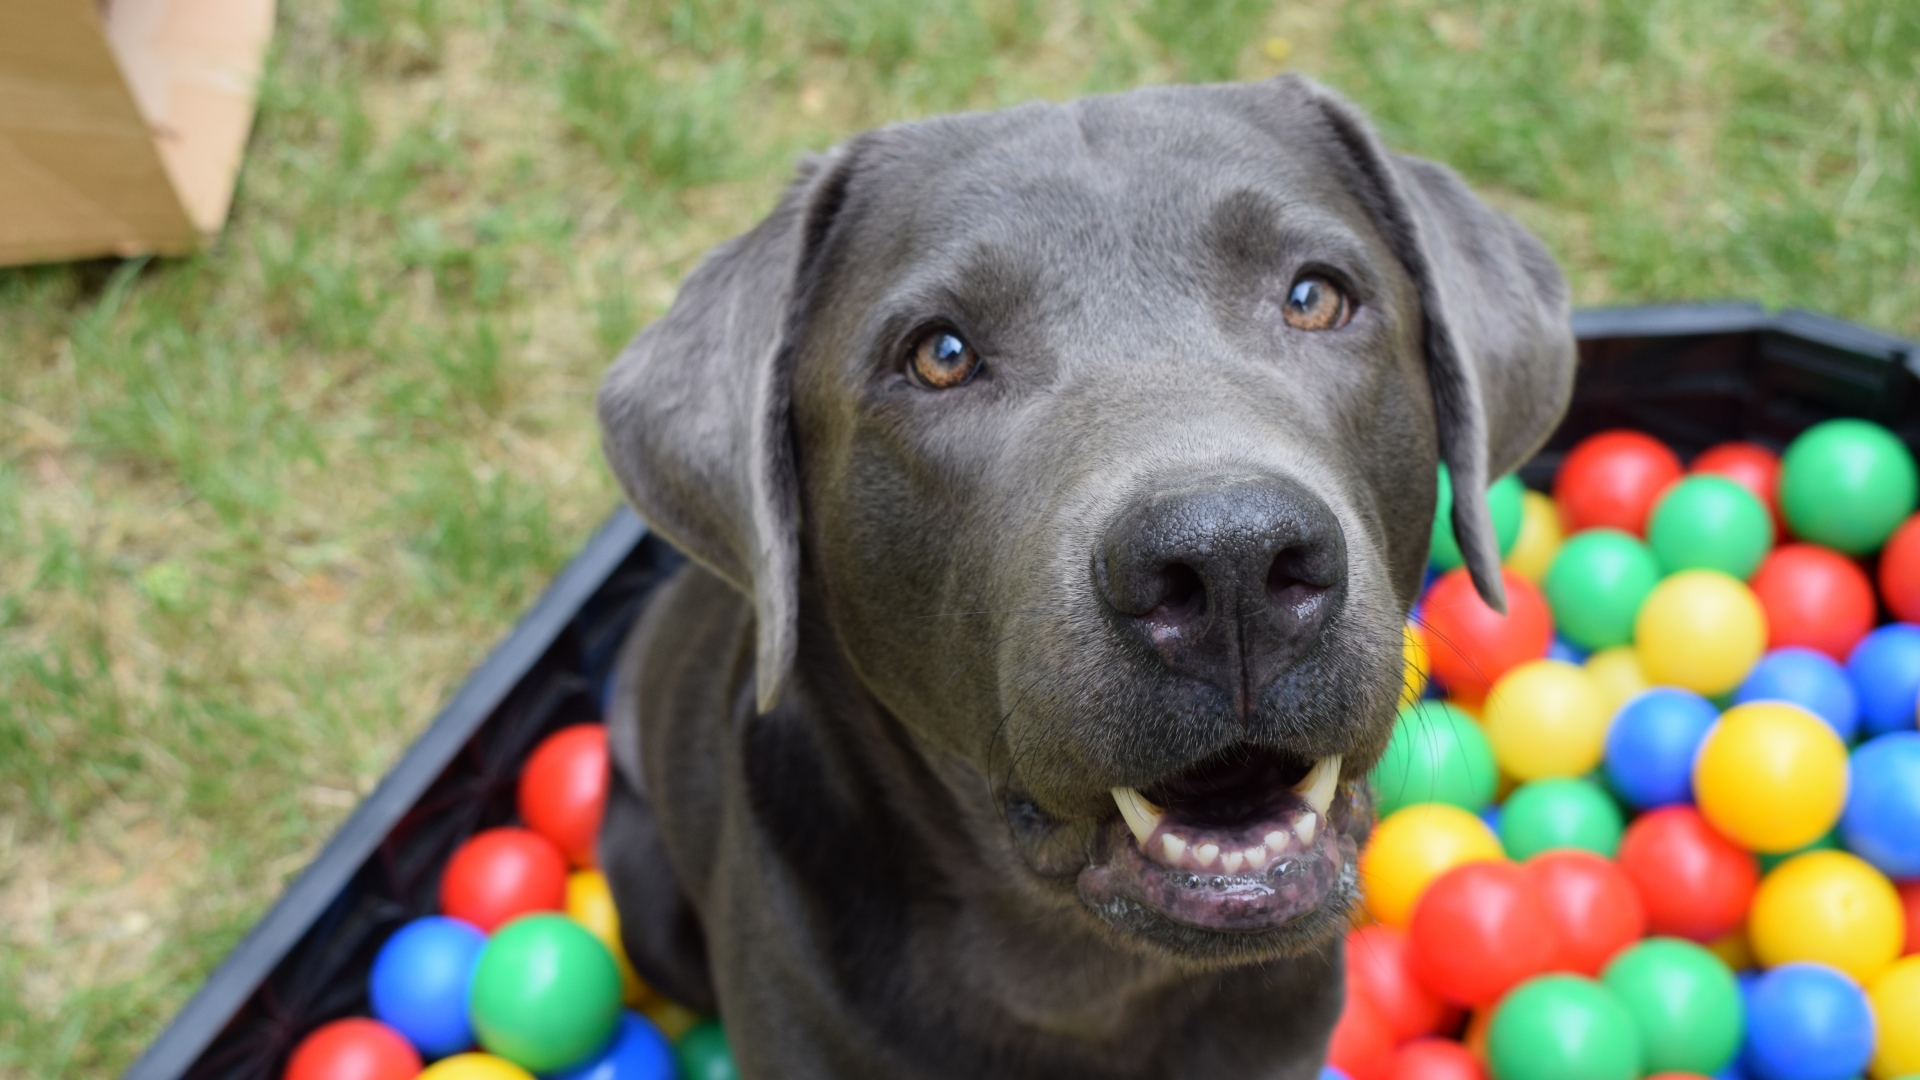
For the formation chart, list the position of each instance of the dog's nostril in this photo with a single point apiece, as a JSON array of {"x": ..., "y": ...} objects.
[
  {"x": 1183, "y": 596},
  {"x": 1291, "y": 581}
]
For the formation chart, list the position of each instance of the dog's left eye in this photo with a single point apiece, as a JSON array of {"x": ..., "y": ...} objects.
[
  {"x": 1314, "y": 303},
  {"x": 942, "y": 360}
]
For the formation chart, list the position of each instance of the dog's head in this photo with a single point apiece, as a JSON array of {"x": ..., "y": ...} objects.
[{"x": 1104, "y": 435}]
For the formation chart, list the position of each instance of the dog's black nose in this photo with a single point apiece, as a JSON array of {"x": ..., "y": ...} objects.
[{"x": 1230, "y": 581}]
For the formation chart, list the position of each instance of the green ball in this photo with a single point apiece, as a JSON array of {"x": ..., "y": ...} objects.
[
  {"x": 1565, "y": 812},
  {"x": 1596, "y": 585},
  {"x": 1563, "y": 1027},
  {"x": 1436, "y": 754},
  {"x": 703, "y": 1053},
  {"x": 1710, "y": 523},
  {"x": 1684, "y": 1002},
  {"x": 545, "y": 993},
  {"x": 1847, "y": 484},
  {"x": 1506, "y": 501}
]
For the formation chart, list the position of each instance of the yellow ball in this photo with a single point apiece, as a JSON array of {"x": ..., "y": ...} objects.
[
  {"x": 590, "y": 903},
  {"x": 1700, "y": 630},
  {"x": 1414, "y": 683},
  {"x": 1771, "y": 776},
  {"x": 1829, "y": 907},
  {"x": 1412, "y": 847},
  {"x": 474, "y": 1066},
  {"x": 1547, "y": 718},
  {"x": 1617, "y": 673},
  {"x": 1895, "y": 998},
  {"x": 1540, "y": 537}
]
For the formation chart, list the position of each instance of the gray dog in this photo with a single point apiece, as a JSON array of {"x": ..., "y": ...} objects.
[{"x": 1057, "y": 481}]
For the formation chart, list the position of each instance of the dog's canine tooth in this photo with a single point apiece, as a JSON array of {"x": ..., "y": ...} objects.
[
  {"x": 1206, "y": 853},
  {"x": 1317, "y": 786},
  {"x": 1142, "y": 816},
  {"x": 1174, "y": 846},
  {"x": 1306, "y": 827}
]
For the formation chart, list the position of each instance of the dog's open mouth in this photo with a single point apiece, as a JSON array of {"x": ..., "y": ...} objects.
[{"x": 1248, "y": 841}]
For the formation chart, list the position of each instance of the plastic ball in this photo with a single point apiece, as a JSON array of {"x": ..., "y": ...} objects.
[
  {"x": 1700, "y": 630},
  {"x": 703, "y": 1053},
  {"x": 353, "y": 1049},
  {"x": 1504, "y": 505},
  {"x": 1695, "y": 883},
  {"x": 1563, "y": 1027},
  {"x": 475, "y": 1067},
  {"x": 1471, "y": 644},
  {"x": 1816, "y": 597},
  {"x": 1413, "y": 682},
  {"x": 1329, "y": 1072},
  {"x": 590, "y": 902},
  {"x": 546, "y": 994},
  {"x": 1881, "y": 823},
  {"x": 1771, "y": 776},
  {"x": 1899, "y": 572},
  {"x": 1829, "y": 907},
  {"x": 1479, "y": 930},
  {"x": 1894, "y": 998},
  {"x": 1807, "y": 1022},
  {"x": 419, "y": 983},
  {"x": 1412, "y": 847},
  {"x": 1595, "y": 909},
  {"x": 1436, "y": 754},
  {"x": 1611, "y": 480},
  {"x": 1707, "y": 522},
  {"x": 1651, "y": 745},
  {"x": 1545, "y": 718},
  {"x": 1750, "y": 465},
  {"x": 1684, "y": 1002},
  {"x": 1435, "y": 1059},
  {"x": 1540, "y": 537},
  {"x": 563, "y": 790},
  {"x": 1563, "y": 812},
  {"x": 1885, "y": 669},
  {"x": 502, "y": 873},
  {"x": 1616, "y": 674},
  {"x": 1596, "y": 585},
  {"x": 639, "y": 1052},
  {"x": 1809, "y": 679},
  {"x": 1380, "y": 969},
  {"x": 1362, "y": 1042},
  {"x": 1847, "y": 484}
]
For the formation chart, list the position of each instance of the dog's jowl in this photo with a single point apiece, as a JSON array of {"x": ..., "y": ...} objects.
[{"x": 1056, "y": 482}]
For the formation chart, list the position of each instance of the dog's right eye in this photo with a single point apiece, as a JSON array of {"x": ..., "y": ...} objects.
[
  {"x": 1314, "y": 303},
  {"x": 942, "y": 360}
]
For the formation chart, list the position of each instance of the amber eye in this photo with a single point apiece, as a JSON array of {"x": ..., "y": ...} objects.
[
  {"x": 1314, "y": 303},
  {"x": 942, "y": 361}
]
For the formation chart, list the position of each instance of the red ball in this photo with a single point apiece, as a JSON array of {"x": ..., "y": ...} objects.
[
  {"x": 1362, "y": 1045},
  {"x": 1436, "y": 1059},
  {"x": 1479, "y": 929},
  {"x": 1910, "y": 903},
  {"x": 501, "y": 873},
  {"x": 1472, "y": 645},
  {"x": 1900, "y": 571},
  {"x": 1816, "y": 597},
  {"x": 1593, "y": 904},
  {"x": 1612, "y": 480},
  {"x": 1380, "y": 969},
  {"x": 563, "y": 789},
  {"x": 1753, "y": 467},
  {"x": 1694, "y": 882},
  {"x": 353, "y": 1049}
]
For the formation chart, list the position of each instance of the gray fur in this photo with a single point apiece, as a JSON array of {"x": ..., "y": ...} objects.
[{"x": 863, "y": 747}]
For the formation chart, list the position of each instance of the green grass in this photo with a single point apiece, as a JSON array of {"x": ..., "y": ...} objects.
[{"x": 260, "y": 509}]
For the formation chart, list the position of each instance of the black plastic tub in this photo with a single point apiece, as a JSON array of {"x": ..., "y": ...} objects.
[{"x": 1692, "y": 375}]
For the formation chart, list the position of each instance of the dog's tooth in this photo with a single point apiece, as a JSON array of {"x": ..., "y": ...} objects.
[
  {"x": 1276, "y": 840},
  {"x": 1257, "y": 857},
  {"x": 1174, "y": 846},
  {"x": 1317, "y": 786},
  {"x": 1206, "y": 853},
  {"x": 1306, "y": 827},
  {"x": 1231, "y": 861},
  {"x": 1142, "y": 816}
]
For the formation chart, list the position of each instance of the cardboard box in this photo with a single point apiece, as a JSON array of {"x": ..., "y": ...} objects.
[{"x": 122, "y": 122}]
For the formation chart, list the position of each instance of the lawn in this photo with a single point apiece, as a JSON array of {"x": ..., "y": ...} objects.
[{"x": 260, "y": 509}]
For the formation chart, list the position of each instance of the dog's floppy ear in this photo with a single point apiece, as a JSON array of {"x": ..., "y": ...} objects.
[
  {"x": 1500, "y": 352},
  {"x": 695, "y": 418}
]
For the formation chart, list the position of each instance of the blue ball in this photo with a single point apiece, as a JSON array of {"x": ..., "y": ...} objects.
[
  {"x": 1882, "y": 820},
  {"x": 1885, "y": 669},
  {"x": 1809, "y": 679},
  {"x": 1650, "y": 746},
  {"x": 1806, "y": 1021},
  {"x": 420, "y": 980},
  {"x": 638, "y": 1052},
  {"x": 1562, "y": 649},
  {"x": 1328, "y": 1072}
]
